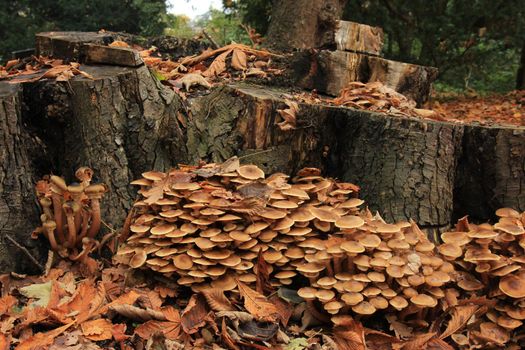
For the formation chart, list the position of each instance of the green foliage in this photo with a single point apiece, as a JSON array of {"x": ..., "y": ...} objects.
[
  {"x": 21, "y": 19},
  {"x": 256, "y": 13},
  {"x": 179, "y": 26},
  {"x": 224, "y": 28}
]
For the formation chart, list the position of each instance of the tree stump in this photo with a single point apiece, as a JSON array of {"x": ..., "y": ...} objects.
[{"x": 18, "y": 206}]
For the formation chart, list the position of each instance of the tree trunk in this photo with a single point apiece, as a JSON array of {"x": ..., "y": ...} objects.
[
  {"x": 303, "y": 23},
  {"x": 18, "y": 206},
  {"x": 520, "y": 79}
]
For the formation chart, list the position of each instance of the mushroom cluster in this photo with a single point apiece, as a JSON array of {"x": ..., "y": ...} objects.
[
  {"x": 368, "y": 265},
  {"x": 490, "y": 260},
  {"x": 206, "y": 225},
  {"x": 70, "y": 213}
]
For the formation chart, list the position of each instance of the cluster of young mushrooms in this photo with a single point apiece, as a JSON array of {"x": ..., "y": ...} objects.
[
  {"x": 490, "y": 260},
  {"x": 70, "y": 213}
]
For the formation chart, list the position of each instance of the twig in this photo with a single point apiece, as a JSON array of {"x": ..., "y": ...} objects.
[
  {"x": 256, "y": 153},
  {"x": 210, "y": 39},
  {"x": 24, "y": 249}
]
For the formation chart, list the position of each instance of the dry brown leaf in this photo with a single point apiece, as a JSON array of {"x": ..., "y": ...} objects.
[
  {"x": 350, "y": 337},
  {"x": 158, "y": 188},
  {"x": 217, "y": 300},
  {"x": 257, "y": 304},
  {"x": 136, "y": 313},
  {"x": 118, "y": 331},
  {"x": 42, "y": 340},
  {"x": 218, "y": 65},
  {"x": 170, "y": 329},
  {"x": 438, "y": 344},
  {"x": 226, "y": 338},
  {"x": 119, "y": 43},
  {"x": 125, "y": 299},
  {"x": 460, "y": 316},
  {"x": 4, "y": 342},
  {"x": 194, "y": 315},
  {"x": 418, "y": 342},
  {"x": 239, "y": 60},
  {"x": 6, "y": 303},
  {"x": 262, "y": 283},
  {"x": 284, "y": 309},
  {"x": 97, "y": 330}
]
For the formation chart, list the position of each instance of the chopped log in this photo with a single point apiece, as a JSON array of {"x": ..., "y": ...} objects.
[
  {"x": 119, "y": 56},
  {"x": 351, "y": 36},
  {"x": 491, "y": 172},
  {"x": 18, "y": 206},
  {"x": 330, "y": 71},
  {"x": 316, "y": 27},
  {"x": 406, "y": 167},
  {"x": 67, "y": 45}
]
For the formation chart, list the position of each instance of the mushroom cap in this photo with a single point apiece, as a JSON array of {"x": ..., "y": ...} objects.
[
  {"x": 163, "y": 229},
  {"x": 325, "y": 295},
  {"x": 479, "y": 254},
  {"x": 284, "y": 204},
  {"x": 364, "y": 308},
  {"x": 376, "y": 276},
  {"x": 204, "y": 243},
  {"x": 423, "y": 300},
  {"x": 138, "y": 259},
  {"x": 386, "y": 228},
  {"x": 323, "y": 214},
  {"x": 437, "y": 279},
  {"x": 470, "y": 285},
  {"x": 333, "y": 307},
  {"x": 351, "y": 203},
  {"x": 183, "y": 262},
  {"x": 250, "y": 172},
  {"x": 507, "y": 213},
  {"x": 379, "y": 302},
  {"x": 353, "y": 286},
  {"x": 49, "y": 225},
  {"x": 370, "y": 241},
  {"x": 58, "y": 185},
  {"x": 457, "y": 238},
  {"x": 352, "y": 298},
  {"x": 272, "y": 214},
  {"x": 398, "y": 302},
  {"x": 302, "y": 215},
  {"x": 349, "y": 222},
  {"x": 513, "y": 286},
  {"x": 450, "y": 250},
  {"x": 352, "y": 247},
  {"x": 310, "y": 267},
  {"x": 307, "y": 293},
  {"x": 256, "y": 227},
  {"x": 95, "y": 191},
  {"x": 326, "y": 282},
  {"x": 294, "y": 253},
  {"x": 513, "y": 229},
  {"x": 508, "y": 322},
  {"x": 398, "y": 244},
  {"x": 295, "y": 192}
]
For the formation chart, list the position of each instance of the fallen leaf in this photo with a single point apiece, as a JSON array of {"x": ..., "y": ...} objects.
[
  {"x": 41, "y": 292},
  {"x": 136, "y": 313},
  {"x": 459, "y": 317},
  {"x": 226, "y": 337},
  {"x": 288, "y": 115},
  {"x": 194, "y": 315},
  {"x": 257, "y": 304},
  {"x": 297, "y": 344},
  {"x": 6, "y": 303},
  {"x": 350, "y": 337},
  {"x": 118, "y": 331},
  {"x": 262, "y": 282},
  {"x": 239, "y": 60},
  {"x": 97, "y": 330},
  {"x": 42, "y": 340},
  {"x": 217, "y": 300},
  {"x": 4, "y": 342},
  {"x": 218, "y": 65}
]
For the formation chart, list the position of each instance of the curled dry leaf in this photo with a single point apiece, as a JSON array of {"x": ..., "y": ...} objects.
[
  {"x": 460, "y": 316},
  {"x": 350, "y": 337},
  {"x": 218, "y": 65},
  {"x": 239, "y": 60},
  {"x": 97, "y": 330},
  {"x": 226, "y": 338},
  {"x": 217, "y": 300},
  {"x": 170, "y": 328},
  {"x": 257, "y": 304},
  {"x": 288, "y": 115},
  {"x": 137, "y": 314},
  {"x": 193, "y": 79},
  {"x": 194, "y": 315}
]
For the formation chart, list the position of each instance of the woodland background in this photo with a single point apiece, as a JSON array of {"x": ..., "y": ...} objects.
[{"x": 476, "y": 45}]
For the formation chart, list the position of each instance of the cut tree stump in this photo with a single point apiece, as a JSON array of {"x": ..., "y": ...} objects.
[
  {"x": 491, "y": 172},
  {"x": 18, "y": 206},
  {"x": 331, "y": 71},
  {"x": 68, "y": 45},
  {"x": 124, "y": 122},
  {"x": 119, "y": 56},
  {"x": 356, "y": 37}
]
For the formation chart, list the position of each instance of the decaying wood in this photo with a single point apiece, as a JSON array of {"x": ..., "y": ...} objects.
[
  {"x": 120, "y": 56},
  {"x": 18, "y": 208},
  {"x": 67, "y": 44},
  {"x": 316, "y": 27},
  {"x": 491, "y": 172},
  {"x": 351, "y": 36},
  {"x": 330, "y": 71}
]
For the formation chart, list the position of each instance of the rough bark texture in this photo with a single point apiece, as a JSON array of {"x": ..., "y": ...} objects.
[
  {"x": 120, "y": 56},
  {"x": 303, "y": 23},
  {"x": 240, "y": 120},
  {"x": 330, "y": 71},
  {"x": 117, "y": 124},
  {"x": 67, "y": 45},
  {"x": 351, "y": 36},
  {"x": 406, "y": 168},
  {"x": 18, "y": 208},
  {"x": 491, "y": 172}
]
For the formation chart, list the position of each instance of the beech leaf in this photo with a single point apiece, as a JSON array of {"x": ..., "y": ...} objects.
[
  {"x": 239, "y": 60},
  {"x": 218, "y": 65},
  {"x": 194, "y": 315},
  {"x": 97, "y": 330},
  {"x": 460, "y": 316},
  {"x": 217, "y": 300},
  {"x": 257, "y": 304}
]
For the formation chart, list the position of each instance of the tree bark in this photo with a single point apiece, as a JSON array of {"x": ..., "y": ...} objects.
[
  {"x": 18, "y": 207},
  {"x": 303, "y": 23},
  {"x": 520, "y": 79}
]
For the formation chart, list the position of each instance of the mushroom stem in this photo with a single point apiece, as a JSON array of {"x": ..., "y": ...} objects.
[
  {"x": 85, "y": 223},
  {"x": 310, "y": 306},
  {"x": 329, "y": 269},
  {"x": 49, "y": 229},
  {"x": 95, "y": 222},
  {"x": 46, "y": 204},
  {"x": 337, "y": 264},
  {"x": 350, "y": 264},
  {"x": 87, "y": 247},
  {"x": 57, "y": 210},
  {"x": 72, "y": 230}
]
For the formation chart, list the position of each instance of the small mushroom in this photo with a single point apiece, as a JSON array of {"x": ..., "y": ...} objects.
[{"x": 95, "y": 193}]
